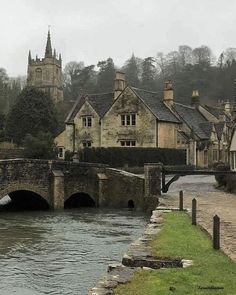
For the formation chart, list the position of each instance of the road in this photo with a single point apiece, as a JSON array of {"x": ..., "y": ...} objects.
[{"x": 210, "y": 201}]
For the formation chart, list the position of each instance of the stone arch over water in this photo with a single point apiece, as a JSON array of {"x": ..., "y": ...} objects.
[
  {"x": 21, "y": 200},
  {"x": 79, "y": 199}
]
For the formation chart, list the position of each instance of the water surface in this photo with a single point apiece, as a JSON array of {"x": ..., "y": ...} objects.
[{"x": 62, "y": 252}]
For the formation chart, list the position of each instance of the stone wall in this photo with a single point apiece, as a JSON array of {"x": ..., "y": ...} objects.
[
  {"x": 144, "y": 131},
  {"x": 83, "y": 133},
  {"x": 56, "y": 181}
]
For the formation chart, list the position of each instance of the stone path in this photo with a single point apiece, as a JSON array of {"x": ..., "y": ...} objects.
[{"x": 209, "y": 202}]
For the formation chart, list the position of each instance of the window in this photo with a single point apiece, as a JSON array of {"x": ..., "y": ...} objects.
[
  {"x": 60, "y": 152},
  {"x": 38, "y": 76},
  {"x": 128, "y": 120},
  {"x": 128, "y": 143},
  {"x": 87, "y": 121},
  {"x": 215, "y": 158},
  {"x": 87, "y": 144}
]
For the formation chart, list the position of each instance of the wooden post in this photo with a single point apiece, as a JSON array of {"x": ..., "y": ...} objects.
[
  {"x": 194, "y": 212},
  {"x": 163, "y": 181},
  {"x": 181, "y": 201},
  {"x": 216, "y": 232}
]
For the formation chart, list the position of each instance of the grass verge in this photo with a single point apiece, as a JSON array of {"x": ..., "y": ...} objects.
[{"x": 212, "y": 272}]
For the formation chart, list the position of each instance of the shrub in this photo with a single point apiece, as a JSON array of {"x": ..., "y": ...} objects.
[
  {"x": 221, "y": 178},
  {"x": 134, "y": 157}
]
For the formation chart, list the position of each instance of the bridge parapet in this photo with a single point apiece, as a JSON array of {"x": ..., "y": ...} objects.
[{"x": 56, "y": 181}]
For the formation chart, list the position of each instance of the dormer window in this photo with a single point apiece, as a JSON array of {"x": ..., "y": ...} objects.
[
  {"x": 128, "y": 120},
  {"x": 87, "y": 121}
]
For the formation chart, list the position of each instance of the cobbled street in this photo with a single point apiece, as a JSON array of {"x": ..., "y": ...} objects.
[{"x": 210, "y": 201}]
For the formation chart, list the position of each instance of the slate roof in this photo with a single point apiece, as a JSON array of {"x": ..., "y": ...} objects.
[
  {"x": 100, "y": 103},
  {"x": 207, "y": 128},
  {"x": 213, "y": 110},
  {"x": 216, "y": 112},
  {"x": 153, "y": 101},
  {"x": 194, "y": 119}
]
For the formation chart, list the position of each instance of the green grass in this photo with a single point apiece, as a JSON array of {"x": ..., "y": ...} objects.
[{"x": 178, "y": 238}]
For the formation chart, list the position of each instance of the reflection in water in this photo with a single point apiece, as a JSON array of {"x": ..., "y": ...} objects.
[{"x": 62, "y": 252}]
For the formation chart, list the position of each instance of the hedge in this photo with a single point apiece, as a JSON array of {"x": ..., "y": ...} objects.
[{"x": 133, "y": 157}]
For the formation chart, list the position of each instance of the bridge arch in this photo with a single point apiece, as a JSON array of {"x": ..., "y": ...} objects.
[
  {"x": 79, "y": 199},
  {"x": 16, "y": 187}
]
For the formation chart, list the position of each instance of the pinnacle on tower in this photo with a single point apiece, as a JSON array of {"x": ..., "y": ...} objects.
[
  {"x": 29, "y": 57},
  {"x": 48, "y": 50}
]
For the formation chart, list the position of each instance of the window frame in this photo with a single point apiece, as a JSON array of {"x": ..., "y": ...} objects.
[
  {"x": 87, "y": 121},
  {"x": 128, "y": 119}
]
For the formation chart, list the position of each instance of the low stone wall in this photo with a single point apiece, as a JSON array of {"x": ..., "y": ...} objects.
[
  {"x": 11, "y": 153},
  {"x": 138, "y": 256}
]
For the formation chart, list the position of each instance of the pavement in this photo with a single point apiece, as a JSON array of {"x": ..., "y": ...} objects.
[{"x": 210, "y": 201}]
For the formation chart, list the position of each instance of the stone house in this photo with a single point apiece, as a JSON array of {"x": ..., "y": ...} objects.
[
  {"x": 46, "y": 73},
  {"x": 133, "y": 117},
  {"x": 204, "y": 132}
]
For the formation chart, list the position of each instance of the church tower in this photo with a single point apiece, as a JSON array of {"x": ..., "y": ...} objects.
[{"x": 46, "y": 73}]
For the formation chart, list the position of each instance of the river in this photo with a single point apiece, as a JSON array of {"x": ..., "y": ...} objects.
[{"x": 46, "y": 252}]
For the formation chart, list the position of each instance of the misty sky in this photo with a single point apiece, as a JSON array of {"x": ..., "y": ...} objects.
[{"x": 93, "y": 30}]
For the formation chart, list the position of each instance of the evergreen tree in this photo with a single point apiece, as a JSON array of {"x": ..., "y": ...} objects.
[
  {"x": 32, "y": 112},
  {"x": 149, "y": 74},
  {"x": 132, "y": 71},
  {"x": 105, "y": 76}
]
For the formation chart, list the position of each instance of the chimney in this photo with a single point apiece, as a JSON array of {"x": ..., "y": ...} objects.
[
  {"x": 227, "y": 108},
  {"x": 120, "y": 84},
  {"x": 195, "y": 102},
  {"x": 168, "y": 93}
]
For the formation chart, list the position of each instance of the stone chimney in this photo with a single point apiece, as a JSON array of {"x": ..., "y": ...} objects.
[
  {"x": 168, "y": 93},
  {"x": 120, "y": 84},
  {"x": 195, "y": 102},
  {"x": 227, "y": 108}
]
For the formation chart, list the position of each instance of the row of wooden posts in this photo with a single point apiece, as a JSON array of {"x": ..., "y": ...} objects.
[{"x": 216, "y": 220}]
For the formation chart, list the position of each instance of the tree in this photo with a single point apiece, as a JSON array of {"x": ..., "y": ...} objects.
[
  {"x": 32, "y": 112},
  {"x": 185, "y": 55},
  {"x": 148, "y": 73},
  {"x": 106, "y": 75},
  {"x": 39, "y": 147},
  {"x": 3, "y": 90},
  {"x": 132, "y": 71},
  {"x": 202, "y": 55},
  {"x": 70, "y": 74}
]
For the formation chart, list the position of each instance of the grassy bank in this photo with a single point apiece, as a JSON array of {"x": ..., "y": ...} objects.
[{"x": 212, "y": 272}]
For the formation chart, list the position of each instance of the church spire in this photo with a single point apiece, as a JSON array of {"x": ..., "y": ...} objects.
[{"x": 48, "y": 50}]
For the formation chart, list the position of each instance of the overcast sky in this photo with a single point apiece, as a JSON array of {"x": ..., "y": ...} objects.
[{"x": 93, "y": 30}]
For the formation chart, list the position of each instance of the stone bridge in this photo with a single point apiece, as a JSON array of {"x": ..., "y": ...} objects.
[{"x": 58, "y": 181}]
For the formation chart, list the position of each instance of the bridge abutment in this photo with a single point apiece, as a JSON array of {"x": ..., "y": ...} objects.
[{"x": 152, "y": 174}]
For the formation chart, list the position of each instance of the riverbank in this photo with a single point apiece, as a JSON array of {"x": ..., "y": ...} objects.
[
  {"x": 137, "y": 257},
  {"x": 141, "y": 271}
]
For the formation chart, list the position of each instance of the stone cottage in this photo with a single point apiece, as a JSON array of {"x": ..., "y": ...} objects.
[{"x": 133, "y": 117}]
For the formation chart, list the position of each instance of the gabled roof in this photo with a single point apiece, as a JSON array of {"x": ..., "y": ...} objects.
[
  {"x": 99, "y": 102},
  {"x": 193, "y": 118},
  {"x": 219, "y": 129},
  {"x": 153, "y": 101},
  {"x": 217, "y": 112}
]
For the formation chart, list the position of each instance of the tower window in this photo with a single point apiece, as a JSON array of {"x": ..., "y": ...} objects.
[
  {"x": 87, "y": 121},
  {"x": 38, "y": 76}
]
